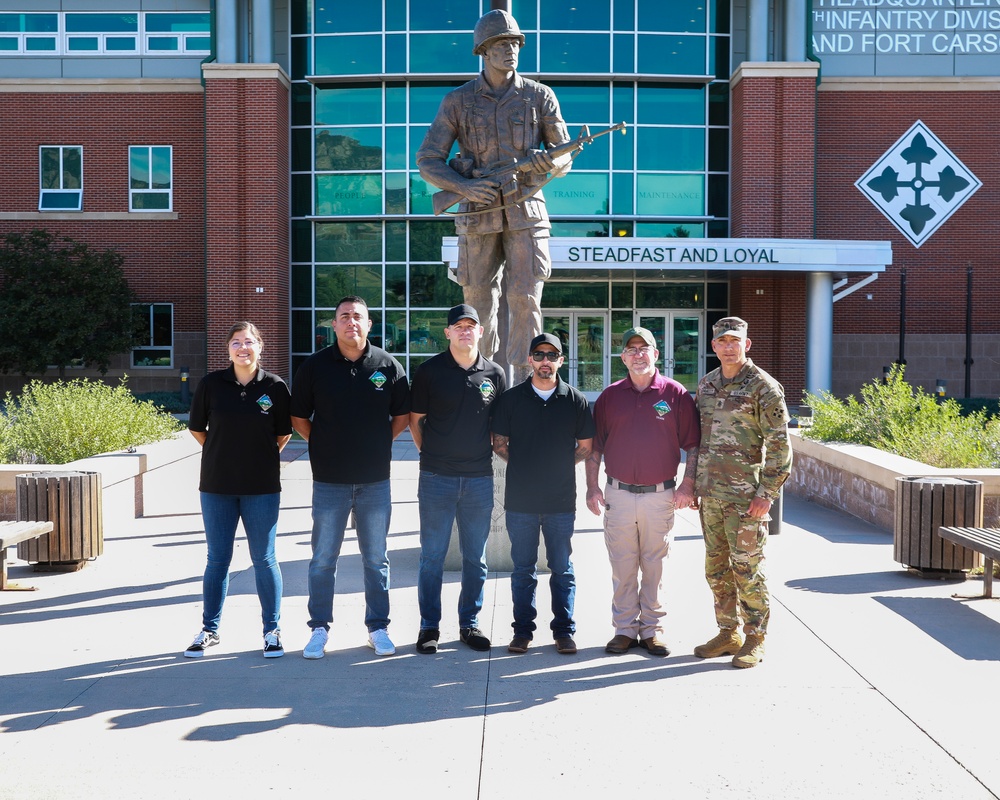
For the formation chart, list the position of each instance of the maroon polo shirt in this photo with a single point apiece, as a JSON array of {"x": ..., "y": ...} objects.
[{"x": 642, "y": 434}]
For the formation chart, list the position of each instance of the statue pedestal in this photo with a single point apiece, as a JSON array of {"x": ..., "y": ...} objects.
[{"x": 498, "y": 545}]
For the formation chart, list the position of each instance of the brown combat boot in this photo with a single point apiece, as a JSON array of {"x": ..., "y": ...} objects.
[
  {"x": 752, "y": 652},
  {"x": 726, "y": 643}
]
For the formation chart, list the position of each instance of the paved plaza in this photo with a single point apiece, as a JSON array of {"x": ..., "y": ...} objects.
[{"x": 877, "y": 683}]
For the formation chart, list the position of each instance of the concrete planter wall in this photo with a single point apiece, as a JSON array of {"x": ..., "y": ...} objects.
[{"x": 862, "y": 480}]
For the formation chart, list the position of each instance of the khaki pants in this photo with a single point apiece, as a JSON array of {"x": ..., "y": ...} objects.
[
  {"x": 520, "y": 259},
  {"x": 637, "y": 532}
]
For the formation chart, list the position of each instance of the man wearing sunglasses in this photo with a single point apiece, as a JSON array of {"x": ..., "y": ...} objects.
[
  {"x": 542, "y": 428},
  {"x": 643, "y": 422}
]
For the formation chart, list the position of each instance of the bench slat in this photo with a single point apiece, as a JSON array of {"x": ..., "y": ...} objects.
[
  {"x": 12, "y": 533},
  {"x": 982, "y": 540}
]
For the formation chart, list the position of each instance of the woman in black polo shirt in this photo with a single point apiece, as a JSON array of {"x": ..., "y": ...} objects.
[{"x": 240, "y": 415}]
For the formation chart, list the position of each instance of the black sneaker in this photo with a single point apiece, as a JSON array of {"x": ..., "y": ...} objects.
[
  {"x": 427, "y": 640},
  {"x": 475, "y": 639},
  {"x": 202, "y": 642},
  {"x": 272, "y": 645}
]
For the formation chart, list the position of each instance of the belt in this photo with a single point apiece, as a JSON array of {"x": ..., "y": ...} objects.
[{"x": 637, "y": 489}]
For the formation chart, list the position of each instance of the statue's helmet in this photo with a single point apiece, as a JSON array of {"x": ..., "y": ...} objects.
[{"x": 494, "y": 25}]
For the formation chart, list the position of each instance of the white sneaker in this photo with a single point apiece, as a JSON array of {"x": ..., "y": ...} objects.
[
  {"x": 316, "y": 646},
  {"x": 380, "y": 642}
]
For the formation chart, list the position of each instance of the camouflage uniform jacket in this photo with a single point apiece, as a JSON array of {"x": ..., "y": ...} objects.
[{"x": 744, "y": 436}]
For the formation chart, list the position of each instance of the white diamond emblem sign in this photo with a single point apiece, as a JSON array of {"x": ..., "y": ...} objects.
[{"x": 918, "y": 183}]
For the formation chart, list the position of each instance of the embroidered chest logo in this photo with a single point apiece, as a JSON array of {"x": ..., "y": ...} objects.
[
  {"x": 378, "y": 379},
  {"x": 661, "y": 408},
  {"x": 487, "y": 389},
  {"x": 264, "y": 402}
]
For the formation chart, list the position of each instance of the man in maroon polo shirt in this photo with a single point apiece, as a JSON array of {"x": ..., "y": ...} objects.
[{"x": 643, "y": 423}]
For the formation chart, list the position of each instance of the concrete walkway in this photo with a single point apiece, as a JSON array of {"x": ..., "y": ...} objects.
[{"x": 877, "y": 684}]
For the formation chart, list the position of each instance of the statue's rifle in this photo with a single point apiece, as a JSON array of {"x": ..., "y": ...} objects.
[{"x": 505, "y": 174}]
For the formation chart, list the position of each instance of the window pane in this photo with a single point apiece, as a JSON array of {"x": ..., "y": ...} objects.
[
  {"x": 161, "y": 167},
  {"x": 624, "y": 15},
  {"x": 346, "y": 16},
  {"x": 8, "y": 43},
  {"x": 198, "y": 43},
  {"x": 349, "y": 241},
  {"x": 301, "y": 285},
  {"x": 427, "y": 331},
  {"x": 150, "y": 201},
  {"x": 395, "y": 102},
  {"x": 442, "y": 52},
  {"x": 121, "y": 43},
  {"x": 302, "y": 234},
  {"x": 718, "y": 149},
  {"x": 349, "y": 148},
  {"x": 302, "y": 104},
  {"x": 430, "y": 286},
  {"x": 624, "y": 53},
  {"x": 52, "y": 201},
  {"x": 29, "y": 23},
  {"x": 718, "y": 104},
  {"x": 178, "y": 23},
  {"x": 303, "y": 332},
  {"x": 301, "y": 195},
  {"x": 301, "y": 149},
  {"x": 163, "y": 325},
  {"x": 575, "y": 52},
  {"x": 138, "y": 167},
  {"x": 425, "y": 239},
  {"x": 102, "y": 23},
  {"x": 395, "y": 53},
  {"x": 162, "y": 43},
  {"x": 670, "y": 148},
  {"x": 301, "y": 64},
  {"x": 677, "y": 15},
  {"x": 348, "y": 55},
  {"x": 672, "y": 55},
  {"x": 425, "y": 100},
  {"x": 576, "y": 15},
  {"x": 443, "y": 15},
  {"x": 583, "y": 102},
  {"x": 622, "y": 182},
  {"x": 360, "y": 105},
  {"x": 395, "y": 147},
  {"x": 671, "y": 104},
  {"x": 395, "y": 193},
  {"x": 39, "y": 44},
  {"x": 348, "y": 194},
  {"x": 395, "y": 15},
  {"x": 335, "y": 282},
  {"x": 671, "y": 195},
  {"x": 82, "y": 43},
  {"x": 302, "y": 16},
  {"x": 421, "y": 195},
  {"x": 395, "y": 284},
  {"x": 578, "y": 193}
]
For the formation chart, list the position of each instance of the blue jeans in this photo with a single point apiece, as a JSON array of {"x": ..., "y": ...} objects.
[
  {"x": 221, "y": 513},
  {"x": 443, "y": 499},
  {"x": 558, "y": 532},
  {"x": 372, "y": 506}
]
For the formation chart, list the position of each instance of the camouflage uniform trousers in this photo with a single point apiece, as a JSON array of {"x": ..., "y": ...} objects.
[{"x": 734, "y": 565}]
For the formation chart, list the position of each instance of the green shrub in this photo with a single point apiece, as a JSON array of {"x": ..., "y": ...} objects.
[
  {"x": 891, "y": 416},
  {"x": 60, "y": 422}
]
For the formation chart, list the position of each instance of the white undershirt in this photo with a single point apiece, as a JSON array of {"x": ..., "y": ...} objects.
[{"x": 545, "y": 395}]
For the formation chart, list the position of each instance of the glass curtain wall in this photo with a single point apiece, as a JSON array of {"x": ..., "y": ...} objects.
[{"x": 367, "y": 82}]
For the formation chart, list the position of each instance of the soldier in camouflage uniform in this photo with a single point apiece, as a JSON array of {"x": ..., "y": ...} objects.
[{"x": 743, "y": 460}]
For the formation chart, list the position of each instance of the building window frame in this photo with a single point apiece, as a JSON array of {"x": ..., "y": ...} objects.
[
  {"x": 143, "y": 186},
  {"x": 56, "y": 191},
  {"x": 153, "y": 335}
]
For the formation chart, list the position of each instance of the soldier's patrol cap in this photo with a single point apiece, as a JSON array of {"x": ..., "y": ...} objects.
[
  {"x": 462, "y": 311},
  {"x": 730, "y": 326},
  {"x": 642, "y": 333}
]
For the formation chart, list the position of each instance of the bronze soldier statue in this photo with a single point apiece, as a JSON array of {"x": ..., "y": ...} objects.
[{"x": 500, "y": 121}]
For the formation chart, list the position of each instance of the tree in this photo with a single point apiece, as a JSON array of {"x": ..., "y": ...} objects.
[{"x": 61, "y": 304}]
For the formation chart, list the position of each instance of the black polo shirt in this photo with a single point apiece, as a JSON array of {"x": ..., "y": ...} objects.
[
  {"x": 458, "y": 403},
  {"x": 541, "y": 467},
  {"x": 243, "y": 424},
  {"x": 351, "y": 404}
]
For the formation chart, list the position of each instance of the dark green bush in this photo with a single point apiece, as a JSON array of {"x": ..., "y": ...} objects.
[
  {"x": 63, "y": 421},
  {"x": 894, "y": 417},
  {"x": 165, "y": 401}
]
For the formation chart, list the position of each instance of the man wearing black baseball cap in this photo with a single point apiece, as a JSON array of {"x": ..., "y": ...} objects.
[
  {"x": 452, "y": 400},
  {"x": 542, "y": 428}
]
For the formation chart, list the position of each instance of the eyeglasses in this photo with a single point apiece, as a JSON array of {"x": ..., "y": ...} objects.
[
  {"x": 637, "y": 351},
  {"x": 237, "y": 345},
  {"x": 542, "y": 355}
]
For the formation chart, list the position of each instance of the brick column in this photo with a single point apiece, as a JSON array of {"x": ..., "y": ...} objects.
[
  {"x": 247, "y": 207},
  {"x": 773, "y": 196}
]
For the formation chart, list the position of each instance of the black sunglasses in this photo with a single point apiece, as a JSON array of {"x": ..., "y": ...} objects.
[{"x": 541, "y": 355}]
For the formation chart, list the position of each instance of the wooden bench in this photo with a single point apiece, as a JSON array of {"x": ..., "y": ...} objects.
[
  {"x": 982, "y": 540},
  {"x": 12, "y": 533}
]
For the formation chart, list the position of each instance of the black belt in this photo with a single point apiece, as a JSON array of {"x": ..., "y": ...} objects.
[{"x": 637, "y": 489}]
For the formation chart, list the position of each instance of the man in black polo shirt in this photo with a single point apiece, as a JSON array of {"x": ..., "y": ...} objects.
[
  {"x": 453, "y": 396},
  {"x": 349, "y": 401},
  {"x": 542, "y": 428}
]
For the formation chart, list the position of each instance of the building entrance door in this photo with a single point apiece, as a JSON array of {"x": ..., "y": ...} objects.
[
  {"x": 679, "y": 338},
  {"x": 585, "y": 341}
]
